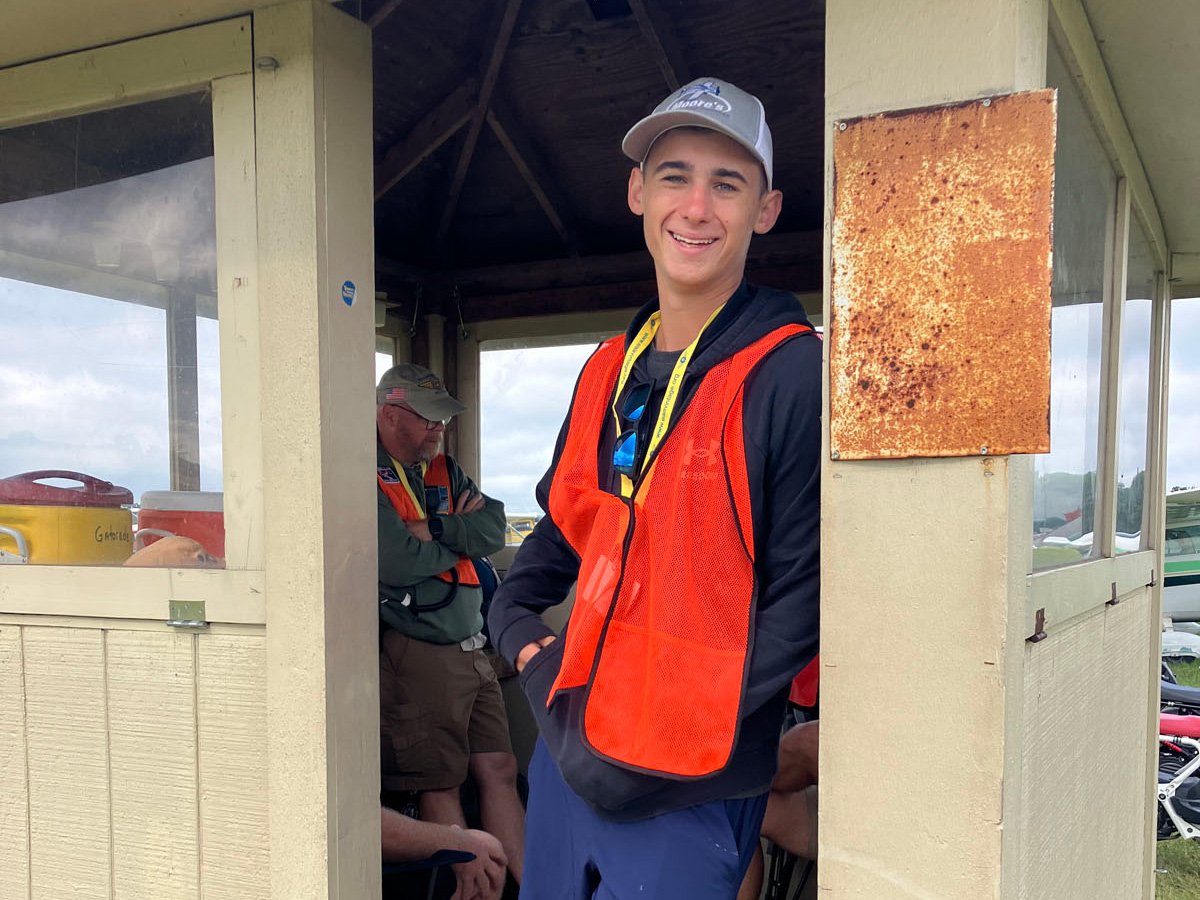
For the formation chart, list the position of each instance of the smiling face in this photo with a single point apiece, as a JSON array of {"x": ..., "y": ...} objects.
[{"x": 701, "y": 196}]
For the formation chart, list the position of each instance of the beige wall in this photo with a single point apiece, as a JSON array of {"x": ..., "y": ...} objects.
[
  {"x": 131, "y": 763},
  {"x": 1083, "y": 736},
  {"x": 958, "y": 758}
]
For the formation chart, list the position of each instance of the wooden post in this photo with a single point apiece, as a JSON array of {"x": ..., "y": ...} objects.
[{"x": 313, "y": 127}]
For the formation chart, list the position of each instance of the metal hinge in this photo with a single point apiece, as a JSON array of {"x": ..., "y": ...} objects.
[{"x": 187, "y": 614}]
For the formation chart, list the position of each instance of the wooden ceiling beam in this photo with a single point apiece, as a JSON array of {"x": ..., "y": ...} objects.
[
  {"x": 664, "y": 47},
  {"x": 428, "y": 134},
  {"x": 383, "y": 12},
  {"x": 487, "y": 85},
  {"x": 533, "y": 170}
]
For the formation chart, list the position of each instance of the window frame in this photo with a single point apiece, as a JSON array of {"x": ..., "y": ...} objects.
[
  {"x": 1061, "y": 593},
  {"x": 216, "y": 57}
]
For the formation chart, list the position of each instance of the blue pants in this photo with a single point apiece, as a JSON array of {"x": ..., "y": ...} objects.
[{"x": 698, "y": 853}]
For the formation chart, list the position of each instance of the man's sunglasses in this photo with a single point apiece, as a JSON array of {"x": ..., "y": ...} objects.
[
  {"x": 430, "y": 424},
  {"x": 633, "y": 410}
]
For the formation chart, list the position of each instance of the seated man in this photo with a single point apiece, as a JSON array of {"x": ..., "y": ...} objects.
[
  {"x": 441, "y": 711},
  {"x": 405, "y": 839}
]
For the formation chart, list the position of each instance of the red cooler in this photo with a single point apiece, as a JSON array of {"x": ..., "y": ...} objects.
[{"x": 198, "y": 515}]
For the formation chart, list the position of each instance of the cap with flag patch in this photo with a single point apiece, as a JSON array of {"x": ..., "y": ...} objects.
[
  {"x": 418, "y": 388},
  {"x": 706, "y": 103}
]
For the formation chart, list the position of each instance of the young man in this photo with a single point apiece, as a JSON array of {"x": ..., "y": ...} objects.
[
  {"x": 441, "y": 711},
  {"x": 683, "y": 502}
]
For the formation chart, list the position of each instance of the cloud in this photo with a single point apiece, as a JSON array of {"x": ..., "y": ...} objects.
[
  {"x": 525, "y": 395},
  {"x": 86, "y": 389}
]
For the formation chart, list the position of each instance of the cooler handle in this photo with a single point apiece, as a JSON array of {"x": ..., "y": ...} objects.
[
  {"x": 22, "y": 555},
  {"x": 88, "y": 481},
  {"x": 137, "y": 537}
]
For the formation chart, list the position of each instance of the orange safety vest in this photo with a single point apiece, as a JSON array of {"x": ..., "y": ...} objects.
[
  {"x": 664, "y": 606},
  {"x": 437, "y": 475}
]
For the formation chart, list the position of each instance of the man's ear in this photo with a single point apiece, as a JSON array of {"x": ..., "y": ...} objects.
[
  {"x": 636, "y": 184},
  {"x": 768, "y": 211}
]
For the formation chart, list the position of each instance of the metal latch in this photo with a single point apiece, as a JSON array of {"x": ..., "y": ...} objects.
[{"x": 187, "y": 614}]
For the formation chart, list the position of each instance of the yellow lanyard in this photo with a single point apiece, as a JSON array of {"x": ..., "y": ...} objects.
[
  {"x": 408, "y": 487},
  {"x": 640, "y": 342}
]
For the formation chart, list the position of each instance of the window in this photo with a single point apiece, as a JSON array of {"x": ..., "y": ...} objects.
[
  {"x": 1134, "y": 398},
  {"x": 108, "y": 294},
  {"x": 525, "y": 395},
  {"x": 1084, "y": 197}
]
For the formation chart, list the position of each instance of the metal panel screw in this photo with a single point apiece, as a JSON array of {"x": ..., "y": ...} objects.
[
  {"x": 835, "y": 454},
  {"x": 983, "y": 450},
  {"x": 841, "y": 126},
  {"x": 266, "y": 63},
  {"x": 987, "y": 102}
]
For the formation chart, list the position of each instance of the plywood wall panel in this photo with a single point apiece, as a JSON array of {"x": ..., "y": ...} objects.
[
  {"x": 14, "y": 796},
  {"x": 1084, "y": 738},
  {"x": 231, "y": 692},
  {"x": 152, "y": 747},
  {"x": 66, "y": 727}
]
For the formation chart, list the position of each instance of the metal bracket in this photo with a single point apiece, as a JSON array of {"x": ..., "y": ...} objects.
[
  {"x": 1112, "y": 601},
  {"x": 1040, "y": 624},
  {"x": 187, "y": 614}
]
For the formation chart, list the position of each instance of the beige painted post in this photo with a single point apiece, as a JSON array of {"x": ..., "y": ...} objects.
[
  {"x": 313, "y": 126},
  {"x": 924, "y": 561},
  {"x": 470, "y": 423}
]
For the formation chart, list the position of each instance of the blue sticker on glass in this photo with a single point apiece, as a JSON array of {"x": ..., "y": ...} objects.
[{"x": 348, "y": 292}]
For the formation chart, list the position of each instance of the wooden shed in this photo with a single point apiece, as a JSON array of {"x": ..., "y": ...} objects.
[{"x": 272, "y": 192}]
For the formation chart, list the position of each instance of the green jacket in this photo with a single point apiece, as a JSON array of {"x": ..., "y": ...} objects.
[{"x": 408, "y": 566}]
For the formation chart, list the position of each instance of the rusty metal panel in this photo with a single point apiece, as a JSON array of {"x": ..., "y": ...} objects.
[{"x": 940, "y": 315}]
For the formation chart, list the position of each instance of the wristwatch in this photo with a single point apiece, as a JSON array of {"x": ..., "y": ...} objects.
[{"x": 435, "y": 527}]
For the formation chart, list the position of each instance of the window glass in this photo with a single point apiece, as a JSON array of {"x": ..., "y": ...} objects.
[
  {"x": 111, "y": 362},
  {"x": 1084, "y": 194},
  {"x": 1134, "y": 398},
  {"x": 525, "y": 395},
  {"x": 383, "y": 362}
]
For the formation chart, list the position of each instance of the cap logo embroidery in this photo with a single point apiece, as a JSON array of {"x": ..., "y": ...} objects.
[
  {"x": 431, "y": 384},
  {"x": 704, "y": 95}
]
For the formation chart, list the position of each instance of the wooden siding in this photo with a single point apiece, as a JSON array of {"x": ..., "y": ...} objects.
[
  {"x": 131, "y": 764},
  {"x": 1084, "y": 803}
]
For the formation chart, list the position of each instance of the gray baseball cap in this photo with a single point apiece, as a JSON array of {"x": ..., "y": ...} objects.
[
  {"x": 706, "y": 103},
  {"x": 419, "y": 388}
]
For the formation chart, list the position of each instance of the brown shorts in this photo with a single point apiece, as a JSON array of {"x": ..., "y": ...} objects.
[{"x": 438, "y": 705}]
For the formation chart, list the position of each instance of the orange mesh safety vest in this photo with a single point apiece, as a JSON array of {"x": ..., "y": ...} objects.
[
  {"x": 436, "y": 475},
  {"x": 660, "y": 630}
]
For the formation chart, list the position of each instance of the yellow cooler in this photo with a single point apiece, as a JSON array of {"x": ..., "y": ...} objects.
[{"x": 85, "y": 525}]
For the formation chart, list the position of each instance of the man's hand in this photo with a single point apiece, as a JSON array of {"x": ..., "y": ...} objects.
[
  {"x": 418, "y": 528},
  {"x": 530, "y": 650},
  {"x": 468, "y": 502},
  {"x": 483, "y": 877}
]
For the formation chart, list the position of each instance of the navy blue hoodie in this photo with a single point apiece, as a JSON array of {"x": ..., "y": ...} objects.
[{"x": 782, "y": 428}]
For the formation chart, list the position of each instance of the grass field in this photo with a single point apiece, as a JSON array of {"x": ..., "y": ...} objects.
[{"x": 1180, "y": 859}]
